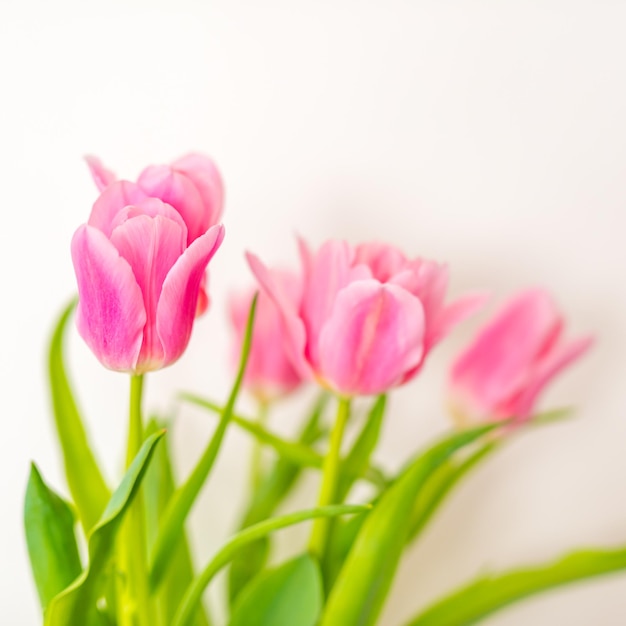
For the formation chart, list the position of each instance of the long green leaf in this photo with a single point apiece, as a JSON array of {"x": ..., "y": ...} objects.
[
  {"x": 274, "y": 487},
  {"x": 49, "y": 525},
  {"x": 77, "y": 604},
  {"x": 489, "y": 594},
  {"x": 288, "y": 595},
  {"x": 158, "y": 487},
  {"x": 244, "y": 537},
  {"x": 185, "y": 496},
  {"x": 87, "y": 485},
  {"x": 357, "y": 460},
  {"x": 364, "y": 581}
]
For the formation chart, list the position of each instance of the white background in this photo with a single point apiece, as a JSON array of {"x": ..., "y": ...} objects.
[{"x": 491, "y": 135}]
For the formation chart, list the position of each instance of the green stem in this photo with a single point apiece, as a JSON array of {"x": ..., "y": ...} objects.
[
  {"x": 256, "y": 461},
  {"x": 139, "y": 608},
  {"x": 330, "y": 476}
]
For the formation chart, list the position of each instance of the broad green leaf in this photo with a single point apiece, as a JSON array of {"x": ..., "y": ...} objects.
[
  {"x": 49, "y": 525},
  {"x": 357, "y": 461},
  {"x": 158, "y": 487},
  {"x": 272, "y": 490},
  {"x": 185, "y": 496},
  {"x": 489, "y": 594},
  {"x": 87, "y": 486},
  {"x": 372, "y": 562},
  {"x": 77, "y": 604},
  {"x": 288, "y": 595},
  {"x": 194, "y": 594}
]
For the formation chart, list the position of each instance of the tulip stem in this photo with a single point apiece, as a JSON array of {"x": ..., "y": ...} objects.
[
  {"x": 138, "y": 606},
  {"x": 256, "y": 459},
  {"x": 330, "y": 476}
]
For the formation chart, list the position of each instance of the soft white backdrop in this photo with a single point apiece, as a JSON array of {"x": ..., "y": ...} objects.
[{"x": 490, "y": 135}]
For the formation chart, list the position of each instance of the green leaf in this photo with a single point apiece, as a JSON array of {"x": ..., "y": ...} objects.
[
  {"x": 489, "y": 594},
  {"x": 272, "y": 490},
  {"x": 357, "y": 461},
  {"x": 158, "y": 487},
  {"x": 372, "y": 562},
  {"x": 49, "y": 524},
  {"x": 285, "y": 596},
  {"x": 77, "y": 604},
  {"x": 244, "y": 537},
  {"x": 185, "y": 496},
  {"x": 87, "y": 486}
]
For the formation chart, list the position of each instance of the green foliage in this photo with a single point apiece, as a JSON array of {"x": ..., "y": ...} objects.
[
  {"x": 78, "y": 603},
  {"x": 288, "y": 595},
  {"x": 49, "y": 525},
  {"x": 489, "y": 594},
  {"x": 87, "y": 486},
  {"x": 369, "y": 569}
]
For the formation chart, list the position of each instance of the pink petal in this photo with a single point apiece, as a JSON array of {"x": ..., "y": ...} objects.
[
  {"x": 496, "y": 365},
  {"x": 561, "y": 357},
  {"x": 102, "y": 176},
  {"x": 177, "y": 189},
  {"x": 110, "y": 315},
  {"x": 111, "y": 201},
  {"x": 383, "y": 260},
  {"x": 151, "y": 245},
  {"x": 329, "y": 272},
  {"x": 374, "y": 335},
  {"x": 151, "y": 207},
  {"x": 203, "y": 172},
  {"x": 177, "y": 305},
  {"x": 295, "y": 337},
  {"x": 454, "y": 314}
]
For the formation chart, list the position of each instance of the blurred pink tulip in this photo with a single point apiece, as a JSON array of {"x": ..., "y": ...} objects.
[
  {"x": 512, "y": 359},
  {"x": 269, "y": 372},
  {"x": 367, "y": 316},
  {"x": 138, "y": 280}
]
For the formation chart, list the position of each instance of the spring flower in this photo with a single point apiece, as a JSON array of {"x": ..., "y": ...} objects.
[
  {"x": 138, "y": 279},
  {"x": 367, "y": 316},
  {"x": 191, "y": 184},
  {"x": 512, "y": 359},
  {"x": 269, "y": 372}
]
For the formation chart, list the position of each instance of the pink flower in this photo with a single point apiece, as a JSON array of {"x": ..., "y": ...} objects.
[
  {"x": 367, "y": 317},
  {"x": 191, "y": 184},
  {"x": 138, "y": 280},
  {"x": 512, "y": 359},
  {"x": 269, "y": 372}
]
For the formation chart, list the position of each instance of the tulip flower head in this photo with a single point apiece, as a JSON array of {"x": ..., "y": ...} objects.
[
  {"x": 269, "y": 372},
  {"x": 139, "y": 279},
  {"x": 367, "y": 316},
  {"x": 501, "y": 374}
]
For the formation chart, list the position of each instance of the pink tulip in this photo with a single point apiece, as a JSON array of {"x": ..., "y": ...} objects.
[
  {"x": 367, "y": 316},
  {"x": 191, "y": 184},
  {"x": 512, "y": 359},
  {"x": 269, "y": 372},
  {"x": 138, "y": 280}
]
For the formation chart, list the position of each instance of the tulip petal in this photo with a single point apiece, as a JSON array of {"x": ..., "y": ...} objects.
[
  {"x": 373, "y": 336},
  {"x": 151, "y": 245},
  {"x": 178, "y": 302},
  {"x": 111, "y": 314},
  {"x": 102, "y": 176},
  {"x": 111, "y": 201},
  {"x": 177, "y": 189},
  {"x": 453, "y": 314},
  {"x": 295, "y": 336},
  {"x": 328, "y": 273},
  {"x": 207, "y": 178},
  {"x": 496, "y": 365},
  {"x": 561, "y": 357}
]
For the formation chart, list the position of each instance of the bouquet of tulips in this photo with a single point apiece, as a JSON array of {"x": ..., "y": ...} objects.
[{"x": 357, "y": 321}]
